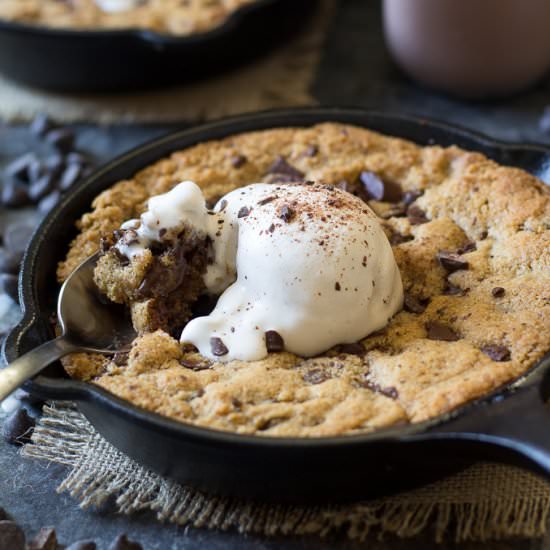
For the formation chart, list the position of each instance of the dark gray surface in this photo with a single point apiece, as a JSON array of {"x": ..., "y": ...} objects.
[{"x": 355, "y": 70}]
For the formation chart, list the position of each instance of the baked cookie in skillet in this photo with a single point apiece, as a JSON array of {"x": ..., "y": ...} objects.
[{"x": 471, "y": 239}]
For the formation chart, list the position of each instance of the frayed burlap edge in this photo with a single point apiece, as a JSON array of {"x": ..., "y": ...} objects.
[
  {"x": 487, "y": 501},
  {"x": 281, "y": 79}
]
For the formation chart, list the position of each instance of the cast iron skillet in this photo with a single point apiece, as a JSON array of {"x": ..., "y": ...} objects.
[
  {"x": 112, "y": 60},
  {"x": 512, "y": 425}
]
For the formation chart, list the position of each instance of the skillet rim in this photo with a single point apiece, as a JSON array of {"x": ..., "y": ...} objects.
[{"x": 78, "y": 391}]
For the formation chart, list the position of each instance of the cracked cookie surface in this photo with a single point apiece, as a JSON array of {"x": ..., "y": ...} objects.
[{"x": 472, "y": 241}]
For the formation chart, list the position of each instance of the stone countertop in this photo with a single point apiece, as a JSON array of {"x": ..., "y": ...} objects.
[{"x": 355, "y": 70}]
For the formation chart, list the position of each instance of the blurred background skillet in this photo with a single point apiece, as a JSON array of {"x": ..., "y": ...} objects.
[
  {"x": 510, "y": 425},
  {"x": 107, "y": 60}
]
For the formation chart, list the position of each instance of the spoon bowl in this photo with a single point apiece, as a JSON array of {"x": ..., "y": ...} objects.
[{"x": 89, "y": 322}]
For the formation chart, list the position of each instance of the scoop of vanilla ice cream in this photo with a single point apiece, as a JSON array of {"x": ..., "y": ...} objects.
[
  {"x": 117, "y": 5},
  {"x": 307, "y": 263}
]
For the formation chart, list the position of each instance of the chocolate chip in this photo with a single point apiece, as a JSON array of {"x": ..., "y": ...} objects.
[
  {"x": 286, "y": 213},
  {"x": 315, "y": 376},
  {"x": 195, "y": 365},
  {"x": 41, "y": 187},
  {"x": 17, "y": 236},
  {"x": 120, "y": 359},
  {"x": 311, "y": 151},
  {"x": 70, "y": 176},
  {"x": 498, "y": 292},
  {"x": 468, "y": 247},
  {"x": 452, "y": 290},
  {"x": 61, "y": 138},
  {"x": 46, "y": 539},
  {"x": 416, "y": 215},
  {"x": 8, "y": 285},
  {"x": 451, "y": 262},
  {"x": 413, "y": 304},
  {"x": 244, "y": 211},
  {"x": 389, "y": 391},
  {"x": 12, "y": 536},
  {"x": 19, "y": 168},
  {"x": 218, "y": 347},
  {"x": 122, "y": 542},
  {"x": 274, "y": 341},
  {"x": 267, "y": 200},
  {"x": 49, "y": 201},
  {"x": 238, "y": 160},
  {"x": 439, "y": 331},
  {"x": 410, "y": 196},
  {"x": 380, "y": 190},
  {"x": 9, "y": 262},
  {"x": 356, "y": 348},
  {"x": 271, "y": 228},
  {"x": 18, "y": 427},
  {"x": 337, "y": 286},
  {"x": 398, "y": 238},
  {"x": 496, "y": 352},
  {"x": 41, "y": 125},
  {"x": 282, "y": 168},
  {"x": 82, "y": 545},
  {"x": 14, "y": 194}
]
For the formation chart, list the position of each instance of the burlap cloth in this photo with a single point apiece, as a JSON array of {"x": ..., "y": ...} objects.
[
  {"x": 282, "y": 78},
  {"x": 487, "y": 501}
]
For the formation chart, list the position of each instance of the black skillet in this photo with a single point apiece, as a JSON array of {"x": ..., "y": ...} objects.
[
  {"x": 511, "y": 426},
  {"x": 68, "y": 60}
]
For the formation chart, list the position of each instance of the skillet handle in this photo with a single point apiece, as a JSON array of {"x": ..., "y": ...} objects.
[{"x": 513, "y": 429}]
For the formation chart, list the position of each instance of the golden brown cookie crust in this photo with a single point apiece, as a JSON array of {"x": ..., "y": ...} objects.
[
  {"x": 165, "y": 16},
  {"x": 497, "y": 311}
]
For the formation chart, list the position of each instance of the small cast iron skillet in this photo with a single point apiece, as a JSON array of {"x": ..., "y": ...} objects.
[
  {"x": 512, "y": 425},
  {"x": 69, "y": 60}
]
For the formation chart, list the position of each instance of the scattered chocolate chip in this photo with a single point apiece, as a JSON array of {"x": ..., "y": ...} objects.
[
  {"x": 244, "y": 211},
  {"x": 46, "y": 539},
  {"x": 218, "y": 347},
  {"x": 311, "y": 151},
  {"x": 498, "y": 292},
  {"x": 271, "y": 228},
  {"x": 439, "y": 331},
  {"x": 496, "y": 352},
  {"x": 195, "y": 365},
  {"x": 337, "y": 286},
  {"x": 416, "y": 215},
  {"x": 12, "y": 536},
  {"x": 274, "y": 341},
  {"x": 286, "y": 213},
  {"x": 282, "y": 168},
  {"x": 451, "y": 262},
  {"x": 398, "y": 238},
  {"x": 483, "y": 235},
  {"x": 9, "y": 262},
  {"x": 410, "y": 196},
  {"x": 468, "y": 247},
  {"x": 41, "y": 125},
  {"x": 238, "y": 160},
  {"x": 17, "y": 235},
  {"x": 389, "y": 391},
  {"x": 49, "y": 201},
  {"x": 122, "y": 542},
  {"x": 61, "y": 138},
  {"x": 356, "y": 348},
  {"x": 19, "y": 167},
  {"x": 70, "y": 176},
  {"x": 18, "y": 427},
  {"x": 380, "y": 190},
  {"x": 315, "y": 376},
  {"x": 267, "y": 200},
  {"x": 413, "y": 304},
  {"x": 82, "y": 545},
  {"x": 8, "y": 285},
  {"x": 14, "y": 194},
  {"x": 41, "y": 187}
]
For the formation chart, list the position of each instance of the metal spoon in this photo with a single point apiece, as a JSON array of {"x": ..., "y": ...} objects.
[{"x": 87, "y": 324}]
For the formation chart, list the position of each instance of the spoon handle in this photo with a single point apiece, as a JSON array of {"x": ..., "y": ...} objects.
[{"x": 30, "y": 364}]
